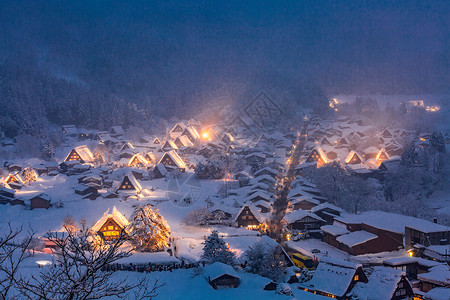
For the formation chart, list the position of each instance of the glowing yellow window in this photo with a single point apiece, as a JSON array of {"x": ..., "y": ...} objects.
[
  {"x": 356, "y": 277},
  {"x": 110, "y": 227}
]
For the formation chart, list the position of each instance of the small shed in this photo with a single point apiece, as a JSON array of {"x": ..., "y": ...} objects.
[
  {"x": 40, "y": 201},
  {"x": 220, "y": 275}
]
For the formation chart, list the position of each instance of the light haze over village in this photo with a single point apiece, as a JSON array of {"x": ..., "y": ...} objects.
[{"x": 178, "y": 151}]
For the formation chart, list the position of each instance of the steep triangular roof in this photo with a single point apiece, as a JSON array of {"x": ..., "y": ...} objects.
[
  {"x": 353, "y": 158},
  {"x": 383, "y": 155},
  {"x": 255, "y": 212},
  {"x": 173, "y": 155},
  {"x": 116, "y": 215},
  {"x": 137, "y": 159},
  {"x": 169, "y": 145},
  {"x": 130, "y": 177},
  {"x": 83, "y": 152},
  {"x": 183, "y": 141}
]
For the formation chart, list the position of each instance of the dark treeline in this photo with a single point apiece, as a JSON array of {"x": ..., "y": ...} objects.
[{"x": 119, "y": 62}]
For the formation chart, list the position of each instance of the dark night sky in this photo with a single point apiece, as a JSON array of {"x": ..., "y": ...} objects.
[{"x": 149, "y": 47}]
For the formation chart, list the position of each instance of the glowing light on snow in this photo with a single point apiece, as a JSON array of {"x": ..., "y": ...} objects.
[
  {"x": 205, "y": 135},
  {"x": 42, "y": 263}
]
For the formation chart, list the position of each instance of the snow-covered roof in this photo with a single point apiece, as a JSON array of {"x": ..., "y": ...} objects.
[
  {"x": 192, "y": 131},
  {"x": 334, "y": 230},
  {"x": 300, "y": 214},
  {"x": 405, "y": 260},
  {"x": 169, "y": 144},
  {"x": 332, "y": 276},
  {"x": 439, "y": 277},
  {"x": 185, "y": 141},
  {"x": 350, "y": 156},
  {"x": 180, "y": 124},
  {"x": 139, "y": 158},
  {"x": 116, "y": 215},
  {"x": 438, "y": 293},
  {"x": 326, "y": 205},
  {"x": 218, "y": 269},
  {"x": 255, "y": 212},
  {"x": 355, "y": 238},
  {"x": 392, "y": 222},
  {"x": 133, "y": 181},
  {"x": 259, "y": 186},
  {"x": 266, "y": 169},
  {"x": 265, "y": 177},
  {"x": 261, "y": 194},
  {"x": 84, "y": 153},
  {"x": 307, "y": 199},
  {"x": 381, "y": 285},
  {"x": 175, "y": 158}
]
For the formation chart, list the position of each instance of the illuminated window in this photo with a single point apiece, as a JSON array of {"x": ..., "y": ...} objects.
[
  {"x": 356, "y": 277},
  {"x": 110, "y": 227}
]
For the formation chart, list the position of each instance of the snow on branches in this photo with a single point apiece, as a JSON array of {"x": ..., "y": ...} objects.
[
  {"x": 216, "y": 250},
  {"x": 148, "y": 230}
]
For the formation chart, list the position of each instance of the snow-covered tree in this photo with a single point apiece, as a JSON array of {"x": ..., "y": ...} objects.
[
  {"x": 437, "y": 141},
  {"x": 214, "y": 169},
  {"x": 48, "y": 150},
  {"x": 409, "y": 156},
  {"x": 264, "y": 259},
  {"x": 12, "y": 254},
  {"x": 197, "y": 217},
  {"x": 29, "y": 175},
  {"x": 148, "y": 230},
  {"x": 216, "y": 250},
  {"x": 70, "y": 224}
]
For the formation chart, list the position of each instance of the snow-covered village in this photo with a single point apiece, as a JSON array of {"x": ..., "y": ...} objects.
[{"x": 124, "y": 176}]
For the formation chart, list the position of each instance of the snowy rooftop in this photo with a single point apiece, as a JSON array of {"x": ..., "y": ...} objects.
[
  {"x": 391, "y": 222},
  {"x": 382, "y": 284},
  {"x": 218, "y": 269},
  {"x": 332, "y": 276},
  {"x": 440, "y": 277},
  {"x": 334, "y": 230},
  {"x": 398, "y": 261},
  {"x": 439, "y": 293},
  {"x": 300, "y": 214},
  {"x": 355, "y": 238}
]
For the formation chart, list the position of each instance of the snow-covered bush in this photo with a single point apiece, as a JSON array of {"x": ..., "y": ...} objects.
[
  {"x": 197, "y": 217},
  {"x": 284, "y": 289},
  {"x": 216, "y": 250}
]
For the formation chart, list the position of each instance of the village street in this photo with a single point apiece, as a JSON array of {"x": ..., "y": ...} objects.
[{"x": 284, "y": 184}]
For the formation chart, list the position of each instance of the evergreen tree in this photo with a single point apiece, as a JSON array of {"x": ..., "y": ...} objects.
[
  {"x": 216, "y": 250},
  {"x": 437, "y": 142},
  {"x": 148, "y": 229},
  {"x": 409, "y": 156}
]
